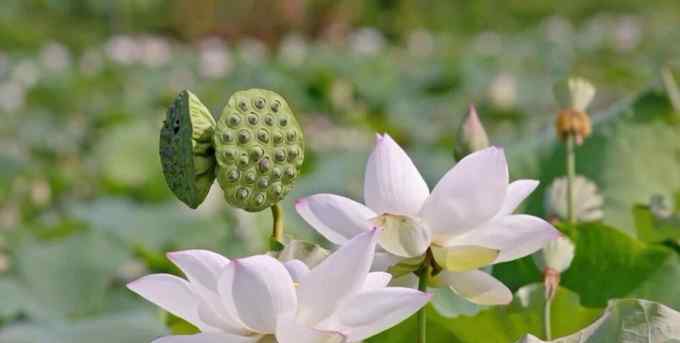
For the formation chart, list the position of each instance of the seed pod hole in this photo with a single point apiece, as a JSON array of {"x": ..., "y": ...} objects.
[
  {"x": 277, "y": 137},
  {"x": 256, "y": 153},
  {"x": 252, "y": 119},
  {"x": 276, "y": 105},
  {"x": 233, "y": 175},
  {"x": 291, "y": 135},
  {"x": 242, "y": 193},
  {"x": 234, "y": 120},
  {"x": 243, "y": 160},
  {"x": 228, "y": 137},
  {"x": 280, "y": 155},
  {"x": 260, "y": 103},
  {"x": 276, "y": 173},
  {"x": 265, "y": 165},
  {"x": 243, "y": 136},
  {"x": 243, "y": 106},
  {"x": 263, "y": 136},
  {"x": 250, "y": 176},
  {"x": 263, "y": 182}
]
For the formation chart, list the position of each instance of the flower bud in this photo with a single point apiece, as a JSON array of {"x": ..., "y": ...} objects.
[
  {"x": 186, "y": 149},
  {"x": 574, "y": 95},
  {"x": 471, "y": 135},
  {"x": 259, "y": 148},
  {"x": 587, "y": 199},
  {"x": 556, "y": 255}
]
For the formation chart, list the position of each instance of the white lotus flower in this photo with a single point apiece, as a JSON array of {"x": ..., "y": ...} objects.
[
  {"x": 261, "y": 300},
  {"x": 467, "y": 221}
]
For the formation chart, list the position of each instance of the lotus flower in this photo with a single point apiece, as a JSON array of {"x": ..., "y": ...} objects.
[
  {"x": 467, "y": 222},
  {"x": 261, "y": 300}
]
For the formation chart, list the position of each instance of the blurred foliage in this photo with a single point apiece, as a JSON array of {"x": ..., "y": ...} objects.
[
  {"x": 84, "y": 85},
  {"x": 501, "y": 323}
]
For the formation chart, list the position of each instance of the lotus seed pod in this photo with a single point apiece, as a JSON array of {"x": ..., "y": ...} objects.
[
  {"x": 587, "y": 199},
  {"x": 471, "y": 135},
  {"x": 556, "y": 255},
  {"x": 259, "y": 148},
  {"x": 186, "y": 149},
  {"x": 573, "y": 122}
]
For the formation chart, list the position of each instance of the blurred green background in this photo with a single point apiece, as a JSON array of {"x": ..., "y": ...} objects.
[{"x": 84, "y": 85}]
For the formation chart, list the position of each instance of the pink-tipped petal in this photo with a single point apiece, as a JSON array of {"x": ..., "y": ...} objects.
[
  {"x": 392, "y": 183},
  {"x": 468, "y": 195},
  {"x": 371, "y": 312},
  {"x": 517, "y": 192},
  {"x": 339, "y": 275},
  {"x": 171, "y": 294},
  {"x": 336, "y": 218},
  {"x": 515, "y": 236},
  {"x": 262, "y": 290}
]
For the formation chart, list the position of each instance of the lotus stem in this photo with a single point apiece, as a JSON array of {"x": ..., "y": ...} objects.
[
  {"x": 277, "y": 227},
  {"x": 424, "y": 277},
  {"x": 571, "y": 174},
  {"x": 547, "y": 322}
]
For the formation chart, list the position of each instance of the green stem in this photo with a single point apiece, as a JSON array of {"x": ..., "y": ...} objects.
[
  {"x": 277, "y": 227},
  {"x": 571, "y": 174},
  {"x": 547, "y": 322},
  {"x": 424, "y": 277}
]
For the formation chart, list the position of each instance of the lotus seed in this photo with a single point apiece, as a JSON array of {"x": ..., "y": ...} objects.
[
  {"x": 280, "y": 155},
  {"x": 291, "y": 136},
  {"x": 264, "y": 165},
  {"x": 263, "y": 136},
  {"x": 243, "y": 136},
  {"x": 250, "y": 176},
  {"x": 276, "y": 105},
  {"x": 263, "y": 182},
  {"x": 276, "y": 173},
  {"x": 252, "y": 119},
  {"x": 283, "y": 121},
  {"x": 260, "y": 103},
  {"x": 228, "y": 137},
  {"x": 277, "y": 137},
  {"x": 242, "y": 193},
  {"x": 256, "y": 153},
  {"x": 234, "y": 120},
  {"x": 233, "y": 175}
]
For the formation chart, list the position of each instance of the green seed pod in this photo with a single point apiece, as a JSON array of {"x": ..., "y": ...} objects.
[
  {"x": 186, "y": 149},
  {"x": 259, "y": 148}
]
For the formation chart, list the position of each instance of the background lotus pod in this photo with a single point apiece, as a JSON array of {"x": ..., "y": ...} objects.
[
  {"x": 556, "y": 255},
  {"x": 259, "y": 149},
  {"x": 186, "y": 149},
  {"x": 587, "y": 199},
  {"x": 574, "y": 93}
]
